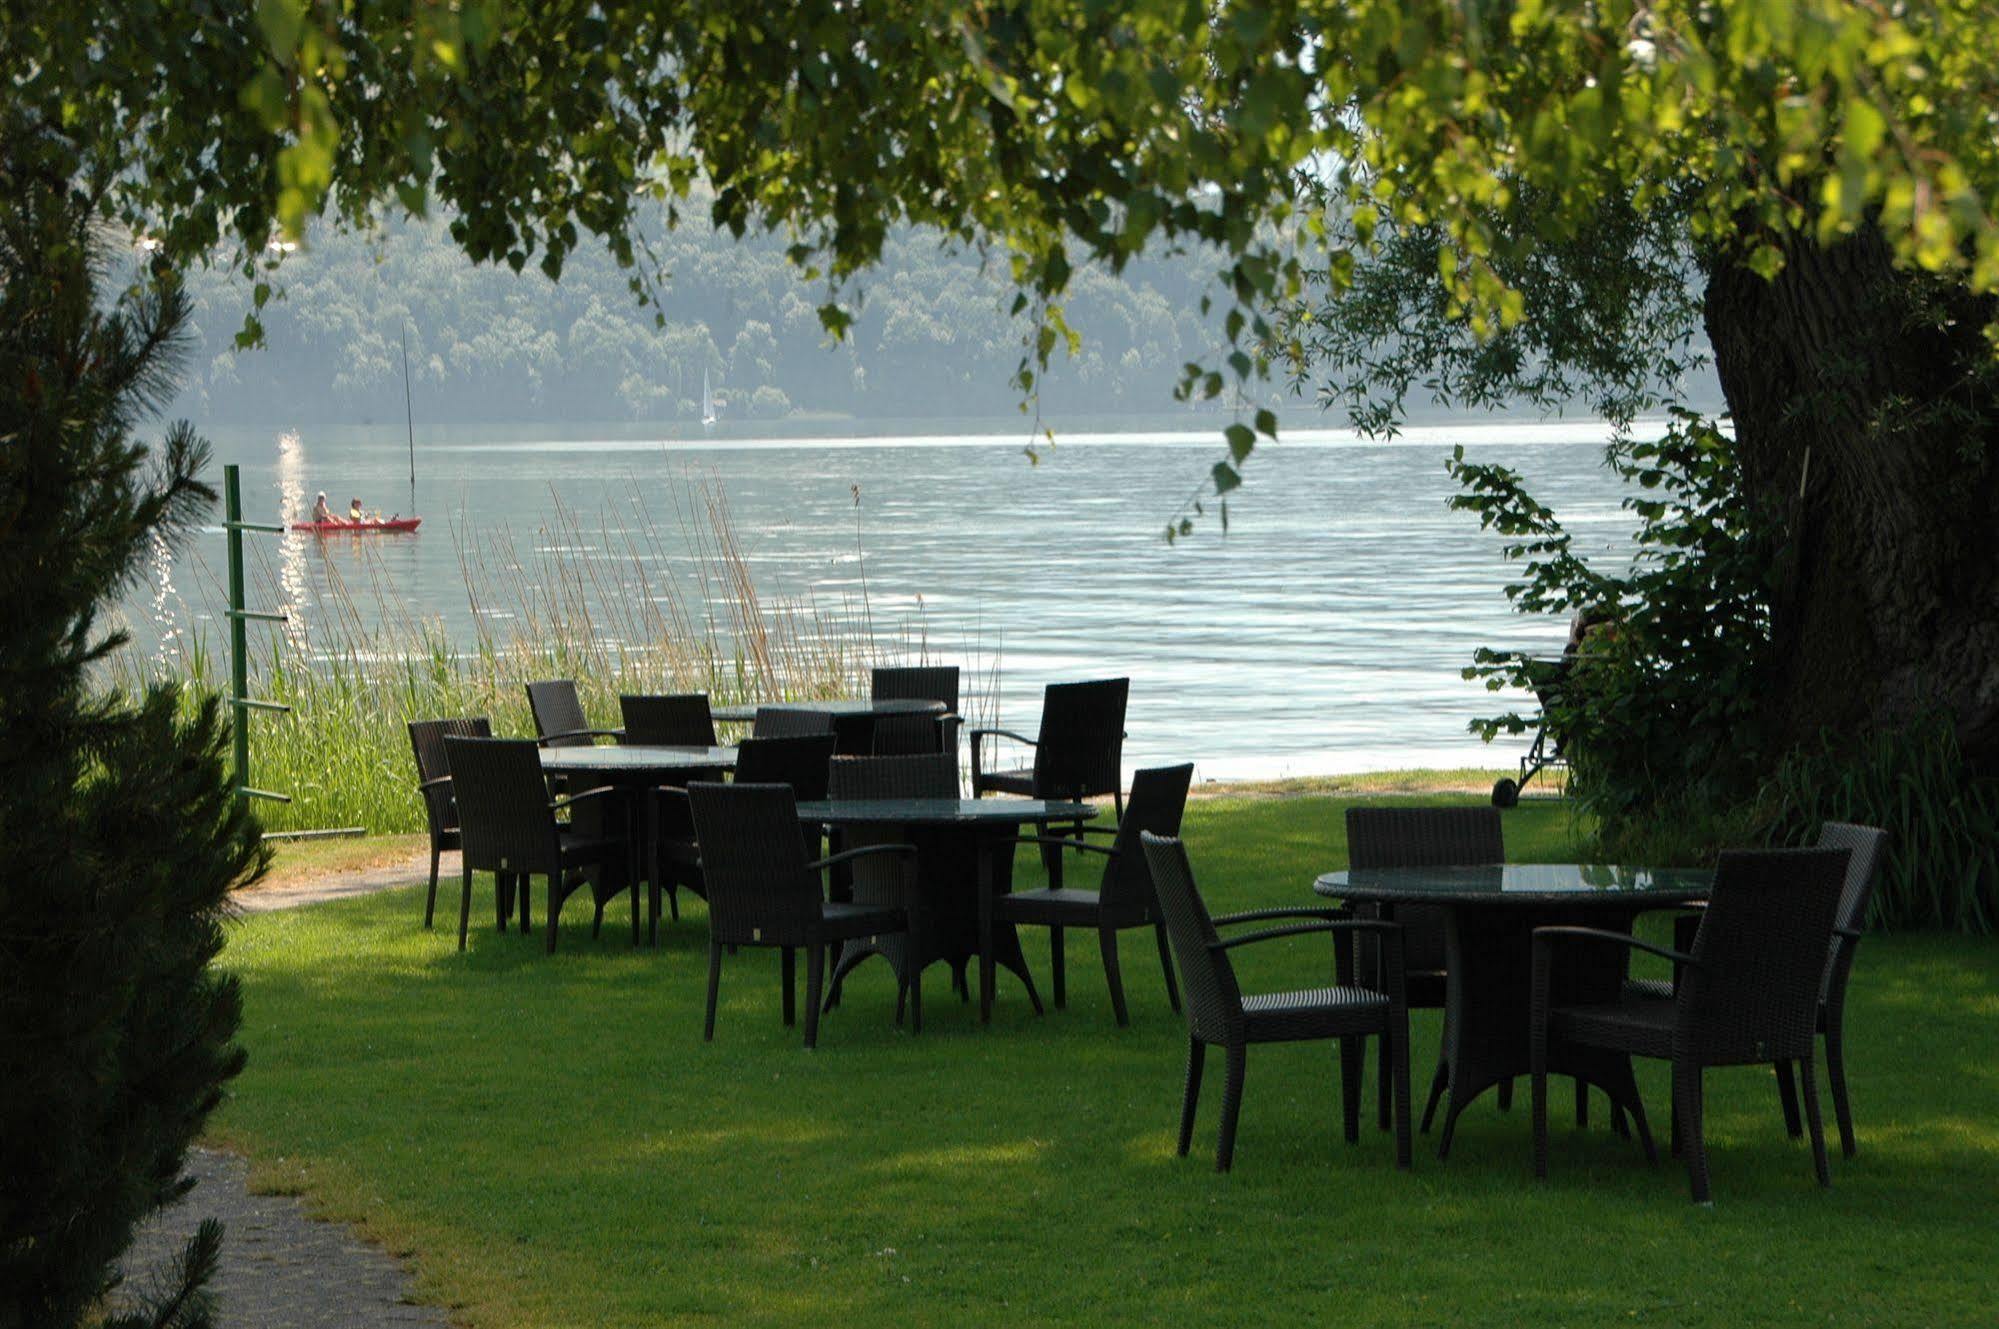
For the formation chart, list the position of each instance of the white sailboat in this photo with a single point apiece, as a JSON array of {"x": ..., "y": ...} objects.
[{"x": 707, "y": 403}]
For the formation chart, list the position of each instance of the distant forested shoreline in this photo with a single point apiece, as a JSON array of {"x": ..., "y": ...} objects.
[{"x": 932, "y": 338}]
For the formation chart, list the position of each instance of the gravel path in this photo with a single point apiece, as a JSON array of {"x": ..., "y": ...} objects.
[{"x": 281, "y": 1268}]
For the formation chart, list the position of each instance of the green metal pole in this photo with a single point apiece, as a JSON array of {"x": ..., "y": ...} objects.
[{"x": 239, "y": 646}]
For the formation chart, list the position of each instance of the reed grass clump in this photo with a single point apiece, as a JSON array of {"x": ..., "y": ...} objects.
[{"x": 656, "y": 606}]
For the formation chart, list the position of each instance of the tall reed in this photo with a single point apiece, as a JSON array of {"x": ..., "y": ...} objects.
[{"x": 651, "y": 608}]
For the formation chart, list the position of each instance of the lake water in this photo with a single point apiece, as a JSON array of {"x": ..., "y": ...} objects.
[{"x": 1324, "y": 633}]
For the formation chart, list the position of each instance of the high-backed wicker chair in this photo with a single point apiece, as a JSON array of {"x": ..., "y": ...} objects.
[
  {"x": 433, "y": 775},
  {"x": 784, "y": 722},
  {"x": 1124, "y": 898},
  {"x": 911, "y": 775},
  {"x": 1865, "y": 845},
  {"x": 558, "y": 715},
  {"x": 1747, "y": 993},
  {"x": 1078, "y": 752},
  {"x": 1422, "y": 837},
  {"x": 763, "y": 891},
  {"x": 507, "y": 826},
  {"x": 896, "y": 735},
  {"x": 1219, "y": 1013},
  {"x": 674, "y": 861},
  {"x": 672, "y": 720}
]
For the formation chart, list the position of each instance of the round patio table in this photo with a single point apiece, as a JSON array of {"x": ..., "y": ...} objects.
[
  {"x": 1490, "y": 914},
  {"x": 632, "y": 769},
  {"x": 853, "y": 718},
  {"x": 964, "y": 854}
]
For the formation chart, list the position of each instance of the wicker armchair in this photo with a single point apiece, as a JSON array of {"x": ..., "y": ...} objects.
[
  {"x": 508, "y": 827},
  {"x": 1219, "y": 1013},
  {"x": 763, "y": 891},
  {"x": 673, "y": 861},
  {"x": 1078, "y": 753},
  {"x": 899, "y": 735},
  {"x": 1747, "y": 993},
  {"x": 559, "y": 718},
  {"x": 433, "y": 774},
  {"x": 1865, "y": 844},
  {"x": 1124, "y": 898},
  {"x": 1421, "y": 837},
  {"x": 913, "y": 775},
  {"x": 673, "y": 720}
]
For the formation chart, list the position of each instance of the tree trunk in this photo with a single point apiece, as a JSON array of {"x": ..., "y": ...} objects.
[{"x": 1866, "y": 408}]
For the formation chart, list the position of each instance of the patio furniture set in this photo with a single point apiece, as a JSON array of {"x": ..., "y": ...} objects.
[{"x": 843, "y": 834}]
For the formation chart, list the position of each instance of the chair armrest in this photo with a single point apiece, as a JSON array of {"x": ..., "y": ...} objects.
[
  {"x": 1620, "y": 938},
  {"x": 848, "y": 855},
  {"x": 573, "y": 799},
  {"x": 1271, "y": 934},
  {"x": 976, "y": 734},
  {"x": 429, "y": 785},
  {"x": 1322, "y": 911},
  {"x": 1067, "y": 843},
  {"x": 546, "y": 739},
  {"x": 1851, "y": 934}
]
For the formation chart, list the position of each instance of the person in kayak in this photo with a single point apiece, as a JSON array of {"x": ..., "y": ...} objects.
[
  {"x": 321, "y": 514},
  {"x": 354, "y": 514}
]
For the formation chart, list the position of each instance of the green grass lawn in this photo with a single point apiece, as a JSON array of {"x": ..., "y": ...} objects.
[{"x": 551, "y": 1143}]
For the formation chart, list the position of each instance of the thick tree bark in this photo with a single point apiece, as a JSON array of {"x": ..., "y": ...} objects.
[{"x": 1866, "y": 407}]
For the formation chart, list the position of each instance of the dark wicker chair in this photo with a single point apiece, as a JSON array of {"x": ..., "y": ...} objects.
[
  {"x": 784, "y": 722},
  {"x": 672, "y": 720},
  {"x": 1124, "y": 898},
  {"x": 558, "y": 715},
  {"x": 1865, "y": 844},
  {"x": 1747, "y": 993},
  {"x": 1078, "y": 753},
  {"x": 898, "y": 735},
  {"x": 433, "y": 774},
  {"x": 1219, "y": 1013},
  {"x": 673, "y": 861},
  {"x": 1419, "y": 837},
  {"x": 763, "y": 891},
  {"x": 911, "y": 775},
  {"x": 508, "y": 827}
]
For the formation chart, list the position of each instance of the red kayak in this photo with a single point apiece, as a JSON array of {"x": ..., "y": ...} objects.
[{"x": 357, "y": 527}]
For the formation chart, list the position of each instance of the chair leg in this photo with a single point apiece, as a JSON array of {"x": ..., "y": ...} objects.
[
  {"x": 673, "y": 900},
  {"x": 652, "y": 912},
  {"x": 1693, "y": 1141},
  {"x": 503, "y": 899},
  {"x": 1504, "y": 1095},
  {"x": 915, "y": 992},
  {"x": 430, "y": 900},
  {"x": 815, "y": 981},
  {"x": 1582, "y": 1103},
  {"x": 1808, "y": 1071},
  {"x": 554, "y": 907},
  {"x": 1835, "y": 1070},
  {"x": 1383, "y": 1091},
  {"x": 1399, "y": 1062},
  {"x": 1058, "y": 966},
  {"x": 1107, "y": 943},
  {"x": 788, "y": 964},
  {"x": 1537, "y": 1064},
  {"x": 464, "y": 906},
  {"x": 523, "y": 890},
  {"x": 1644, "y": 1130},
  {"x": 1235, "y": 1061},
  {"x": 714, "y": 988},
  {"x": 1787, "y": 1093},
  {"x": 597, "y": 922},
  {"x": 1190, "y": 1097},
  {"x": 1166, "y": 967},
  {"x": 1353, "y": 1061}
]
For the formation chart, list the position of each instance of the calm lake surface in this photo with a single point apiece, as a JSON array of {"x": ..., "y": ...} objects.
[{"x": 1324, "y": 633}]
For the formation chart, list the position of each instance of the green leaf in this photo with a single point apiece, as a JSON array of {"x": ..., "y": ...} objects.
[{"x": 1241, "y": 441}]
